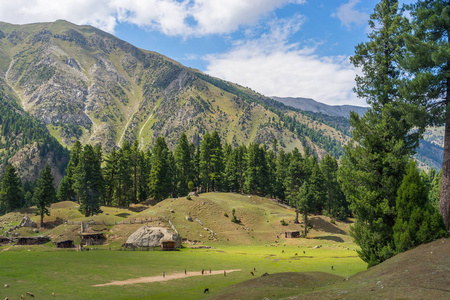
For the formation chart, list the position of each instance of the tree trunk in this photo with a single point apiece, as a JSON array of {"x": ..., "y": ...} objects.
[
  {"x": 42, "y": 219},
  {"x": 296, "y": 215},
  {"x": 444, "y": 202},
  {"x": 306, "y": 222}
]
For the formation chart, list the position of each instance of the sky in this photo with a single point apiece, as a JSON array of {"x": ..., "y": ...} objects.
[{"x": 285, "y": 48}]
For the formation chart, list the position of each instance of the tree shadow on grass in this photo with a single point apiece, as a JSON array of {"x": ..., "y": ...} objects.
[
  {"x": 123, "y": 215},
  {"x": 330, "y": 238}
]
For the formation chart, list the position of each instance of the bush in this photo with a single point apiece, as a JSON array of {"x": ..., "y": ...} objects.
[
  {"x": 226, "y": 215},
  {"x": 234, "y": 219},
  {"x": 189, "y": 197},
  {"x": 332, "y": 221},
  {"x": 283, "y": 223}
]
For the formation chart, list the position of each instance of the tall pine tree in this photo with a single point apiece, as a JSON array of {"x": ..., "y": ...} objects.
[
  {"x": 10, "y": 190},
  {"x": 428, "y": 64},
  {"x": 44, "y": 193}
]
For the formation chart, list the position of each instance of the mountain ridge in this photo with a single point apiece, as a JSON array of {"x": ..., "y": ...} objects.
[{"x": 308, "y": 104}]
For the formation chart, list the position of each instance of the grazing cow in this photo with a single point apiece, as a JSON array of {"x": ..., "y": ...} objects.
[
  {"x": 252, "y": 273},
  {"x": 254, "y": 269},
  {"x": 30, "y": 294},
  {"x": 53, "y": 294},
  {"x": 21, "y": 297},
  {"x": 304, "y": 252},
  {"x": 296, "y": 254},
  {"x": 185, "y": 272},
  {"x": 6, "y": 285},
  {"x": 332, "y": 268},
  {"x": 203, "y": 271},
  {"x": 206, "y": 291},
  {"x": 224, "y": 273}
]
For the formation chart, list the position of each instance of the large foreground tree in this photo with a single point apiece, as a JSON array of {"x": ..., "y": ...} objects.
[
  {"x": 428, "y": 62},
  {"x": 375, "y": 162}
]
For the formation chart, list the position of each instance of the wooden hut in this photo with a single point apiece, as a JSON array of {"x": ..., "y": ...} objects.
[
  {"x": 89, "y": 239},
  {"x": 168, "y": 245},
  {"x": 292, "y": 234},
  {"x": 64, "y": 244}
]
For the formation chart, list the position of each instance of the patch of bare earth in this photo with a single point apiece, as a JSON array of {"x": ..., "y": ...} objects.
[{"x": 167, "y": 277}]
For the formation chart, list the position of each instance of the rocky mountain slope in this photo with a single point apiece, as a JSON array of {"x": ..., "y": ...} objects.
[{"x": 86, "y": 84}]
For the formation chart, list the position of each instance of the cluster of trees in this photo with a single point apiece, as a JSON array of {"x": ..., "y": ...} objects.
[
  {"x": 129, "y": 175},
  {"x": 406, "y": 79},
  {"x": 12, "y": 194}
]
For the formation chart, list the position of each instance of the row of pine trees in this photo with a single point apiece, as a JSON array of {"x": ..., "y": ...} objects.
[{"x": 129, "y": 175}]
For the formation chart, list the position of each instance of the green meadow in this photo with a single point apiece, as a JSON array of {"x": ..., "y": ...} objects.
[{"x": 72, "y": 274}]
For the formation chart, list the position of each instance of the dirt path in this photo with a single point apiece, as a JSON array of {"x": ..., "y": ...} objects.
[{"x": 167, "y": 277}]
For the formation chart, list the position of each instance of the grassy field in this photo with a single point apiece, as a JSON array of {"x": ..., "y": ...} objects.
[
  {"x": 256, "y": 243},
  {"x": 72, "y": 274}
]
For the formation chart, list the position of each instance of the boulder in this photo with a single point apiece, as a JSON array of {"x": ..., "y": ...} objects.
[
  {"x": 147, "y": 236},
  {"x": 193, "y": 194},
  {"x": 26, "y": 222},
  {"x": 189, "y": 218}
]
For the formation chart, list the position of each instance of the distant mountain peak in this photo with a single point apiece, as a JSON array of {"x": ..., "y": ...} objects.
[{"x": 308, "y": 104}]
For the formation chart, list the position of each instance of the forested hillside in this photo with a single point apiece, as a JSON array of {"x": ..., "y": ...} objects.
[{"x": 27, "y": 144}]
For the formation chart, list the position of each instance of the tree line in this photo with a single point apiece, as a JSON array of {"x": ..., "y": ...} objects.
[{"x": 129, "y": 175}]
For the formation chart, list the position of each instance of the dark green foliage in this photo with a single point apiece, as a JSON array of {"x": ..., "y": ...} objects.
[
  {"x": 257, "y": 179},
  {"x": 284, "y": 223},
  {"x": 234, "y": 219},
  {"x": 373, "y": 167},
  {"x": 184, "y": 165},
  {"x": 417, "y": 221},
  {"x": 428, "y": 82},
  {"x": 10, "y": 191},
  {"x": 160, "y": 180},
  {"x": 316, "y": 186},
  {"x": 88, "y": 181},
  {"x": 44, "y": 193},
  {"x": 336, "y": 204},
  {"x": 305, "y": 200}
]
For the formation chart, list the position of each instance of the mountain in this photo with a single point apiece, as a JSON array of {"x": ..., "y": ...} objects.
[
  {"x": 307, "y": 104},
  {"x": 85, "y": 84}
]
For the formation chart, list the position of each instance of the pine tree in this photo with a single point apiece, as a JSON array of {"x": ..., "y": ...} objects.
[
  {"x": 159, "y": 181},
  {"x": 336, "y": 204},
  {"x": 316, "y": 187},
  {"x": 375, "y": 162},
  {"x": 185, "y": 165},
  {"x": 110, "y": 176},
  {"x": 205, "y": 163},
  {"x": 282, "y": 166},
  {"x": 417, "y": 221},
  {"x": 217, "y": 166},
  {"x": 428, "y": 64},
  {"x": 10, "y": 190},
  {"x": 305, "y": 198},
  {"x": 45, "y": 193},
  {"x": 88, "y": 181},
  {"x": 67, "y": 191},
  {"x": 296, "y": 178}
]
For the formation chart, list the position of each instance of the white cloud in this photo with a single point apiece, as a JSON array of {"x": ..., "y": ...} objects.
[
  {"x": 348, "y": 15},
  {"x": 274, "y": 67},
  {"x": 171, "y": 17}
]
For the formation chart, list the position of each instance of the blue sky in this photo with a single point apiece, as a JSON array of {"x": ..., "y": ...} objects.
[{"x": 288, "y": 48}]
